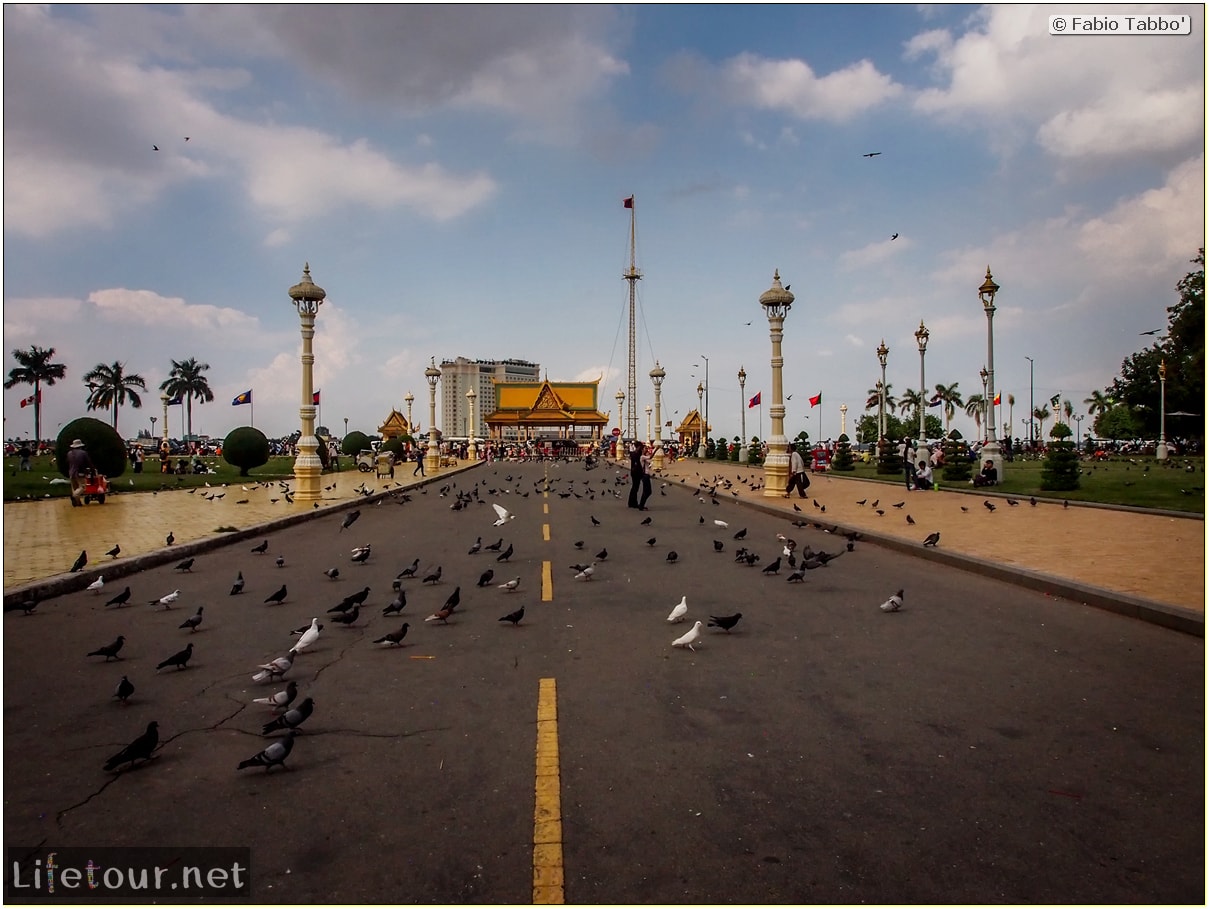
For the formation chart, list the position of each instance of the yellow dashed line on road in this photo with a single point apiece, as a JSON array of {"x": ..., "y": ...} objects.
[
  {"x": 547, "y": 803},
  {"x": 547, "y": 583},
  {"x": 546, "y": 532}
]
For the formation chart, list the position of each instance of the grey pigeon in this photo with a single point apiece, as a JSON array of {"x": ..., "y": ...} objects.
[
  {"x": 409, "y": 571},
  {"x": 505, "y": 555},
  {"x": 138, "y": 750},
  {"x": 894, "y": 604},
  {"x": 262, "y": 548},
  {"x": 333, "y": 573},
  {"x": 194, "y": 620},
  {"x": 282, "y": 699},
  {"x": 274, "y": 669},
  {"x": 237, "y": 587},
  {"x": 349, "y": 520},
  {"x": 433, "y": 578},
  {"x": 292, "y": 718},
  {"x": 347, "y": 618},
  {"x": 178, "y": 659},
  {"x": 397, "y": 605},
  {"x": 395, "y": 637},
  {"x": 514, "y": 617},
  {"x": 124, "y": 690},
  {"x": 110, "y": 651},
  {"x": 186, "y": 565},
  {"x": 272, "y": 756},
  {"x": 485, "y": 577}
]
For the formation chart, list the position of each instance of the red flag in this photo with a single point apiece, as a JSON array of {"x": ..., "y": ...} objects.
[
  {"x": 996, "y": 402},
  {"x": 628, "y": 203},
  {"x": 25, "y": 402},
  {"x": 816, "y": 399},
  {"x": 315, "y": 398},
  {"x": 35, "y": 398},
  {"x": 754, "y": 401}
]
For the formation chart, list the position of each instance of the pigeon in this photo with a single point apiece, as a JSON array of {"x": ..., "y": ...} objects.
[
  {"x": 689, "y": 637},
  {"x": 395, "y": 637},
  {"x": 679, "y": 611},
  {"x": 237, "y": 587},
  {"x": 280, "y": 561},
  {"x": 98, "y": 584},
  {"x": 262, "y": 548},
  {"x": 932, "y": 539},
  {"x": 274, "y": 669},
  {"x": 503, "y": 515},
  {"x": 186, "y": 565},
  {"x": 485, "y": 578},
  {"x": 397, "y": 605},
  {"x": 894, "y": 236},
  {"x": 193, "y": 621},
  {"x": 717, "y": 523},
  {"x": 910, "y": 520},
  {"x": 454, "y": 599},
  {"x": 441, "y": 616},
  {"x": 171, "y": 538},
  {"x": 514, "y": 617},
  {"x": 773, "y": 567},
  {"x": 476, "y": 546},
  {"x": 511, "y": 585},
  {"x": 124, "y": 690},
  {"x": 26, "y": 606},
  {"x": 496, "y": 546},
  {"x": 81, "y": 561},
  {"x": 725, "y": 622},
  {"x": 797, "y": 576},
  {"x": 409, "y": 571},
  {"x": 505, "y": 555},
  {"x": 585, "y": 574},
  {"x": 277, "y": 596},
  {"x": 651, "y": 541},
  {"x": 292, "y": 718},
  {"x": 333, "y": 573},
  {"x": 349, "y": 520},
  {"x": 579, "y": 544},
  {"x": 282, "y": 699},
  {"x": 347, "y": 618},
  {"x": 742, "y": 534},
  {"x": 894, "y": 604},
  {"x": 595, "y": 521},
  {"x": 432, "y": 578},
  {"x": 308, "y": 637},
  {"x": 166, "y": 600},
  {"x": 672, "y": 557},
  {"x": 272, "y": 756},
  {"x": 110, "y": 652},
  {"x": 602, "y": 555},
  {"x": 138, "y": 750},
  {"x": 645, "y": 521},
  {"x": 121, "y": 599},
  {"x": 113, "y": 553},
  {"x": 178, "y": 659},
  {"x": 354, "y": 599},
  {"x": 989, "y": 506},
  {"x": 870, "y": 154},
  {"x": 719, "y": 545}
]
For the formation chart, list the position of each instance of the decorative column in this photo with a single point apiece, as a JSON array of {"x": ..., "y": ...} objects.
[
  {"x": 648, "y": 425},
  {"x": 657, "y": 376},
  {"x": 164, "y": 401},
  {"x": 700, "y": 423},
  {"x": 307, "y": 297},
  {"x": 990, "y": 451},
  {"x": 921, "y": 450},
  {"x": 432, "y": 457},
  {"x": 776, "y": 302},
  {"x": 986, "y": 415},
  {"x": 843, "y": 419},
  {"x": 1160, "y": 450},
  {"x": 409, "y": 399},
  {"x": 618, "y": 447},
  {"x": 472, "y": 451},
  {"x": 742, "y": 417},
  {"x": 882, "y": 352}
]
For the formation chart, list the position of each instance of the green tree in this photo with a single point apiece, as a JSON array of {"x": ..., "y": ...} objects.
[
  {"x": 354, "y": 443},
  {"x": 109, "y": 385},
  {"x": 1098, "y": 403},
  {"x": 1060, "y": 472},
  {"x": 843, "y": 454},
  {"x": 975, "y": 407},
  {"x": 1041, "y": 414},
  {"x": 957, "y": 458},
  {"x": 187, "y": 381},
  {"x": 35, "y": 369},
  {"x": 951, "y": 398},
  {"x": 245, "y": 447},
  {"x": 101, "y": 441},
  {"x": 910, "y": 403},
  {"x": 1117, "y": 422}
]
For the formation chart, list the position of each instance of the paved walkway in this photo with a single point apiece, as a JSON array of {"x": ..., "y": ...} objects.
[{"x": 1145, "y": 564}]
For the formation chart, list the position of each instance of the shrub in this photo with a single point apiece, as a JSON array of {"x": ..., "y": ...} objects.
[
  {"x": 957, "y": 458},
  {"x": 101, "y": 441},
  {"x": 354, "y": 443},
  {"x": 1060, "y": 472},
  {"x": 888, "y": 460},
  {"x": 396, "y": 446},
  {"x": 843, "y": 454},
  {"x": 245, "y": 447},
  {"x": 734, "y": 450}
]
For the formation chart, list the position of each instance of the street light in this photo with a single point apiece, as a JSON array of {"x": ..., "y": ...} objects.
[
  {"x": 164, "y": 401},
  {"x": 153, "y": 419},
  {"x": 1031, "y": 406},
  {"x": 742, "y": 417},
  {"x": 620, "y": 398},
  {"x": 648, "y": 425},
  {"x": 657, "y": 376},
  {"x": 1160, "y": 451},
  {"x": 408, "y": 399},
  {"x": 990, "y": 450},
  {"x": 700, "y": 424},
  {"x": 882, "y": 352},
  {"x": 472, "y": 450},
  {"x": 706, "y": 359},
  {"x": 982, "y": 374},
  {"x": 921, "y": 338},
  {"x": 307, "y": 296},
  {"x": 1079, "y": 432},
  {"x": 777, "y": 302},
  {"x": 432, "y": 457}
]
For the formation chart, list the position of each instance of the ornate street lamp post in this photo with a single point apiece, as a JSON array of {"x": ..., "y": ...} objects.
[
  {"x": 619, "y": 446},
  {"x": 776, "y": 302},
  {"x": 700, "y": 423},
  {"x": 982, "y": 374},
  {"x": 153, "y": 419},
  {"x": 921, "y": 338},
  {"x": 1160, "y": 451},
  {"x": 986, "y": 295},
  {"x": 472, "y": 450},
  {"x": 307, "y": 296},
  {"x": 657, "y": 376},
  {"x": 882, "y": 352},
  {"x": 648, "y": 425},
  {"x": 432, "y": 457},
  {"x": 742, "y": 417},
  {"x": 408, "y": 399},
  {"x": 707, "y": 426},
  {"x": 164, "y": 401},
  {"x": 843, "y": 419},
  {"x": 1031, "y": 405},
  {"x": 1079, "y": 432}
]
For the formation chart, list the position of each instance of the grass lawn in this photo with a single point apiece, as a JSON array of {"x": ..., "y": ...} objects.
[{"x": 34, "y": 484}]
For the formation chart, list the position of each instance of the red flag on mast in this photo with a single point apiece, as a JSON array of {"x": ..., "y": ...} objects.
[
  {"x": 755, "y": 401},
  {"x": 816, "y": 399},
  {"x": 628, "y": 203}
]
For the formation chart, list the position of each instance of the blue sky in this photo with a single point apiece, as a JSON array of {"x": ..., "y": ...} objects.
[{"x": 454, "y": 175}]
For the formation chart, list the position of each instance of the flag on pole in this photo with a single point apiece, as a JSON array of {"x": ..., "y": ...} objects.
[
  {"x": 816, "y": 399},
  {"x": 936, "y": 401},
  {"x": 245, "y": 398},
  {"x": 177, "y": 400},
  {"x": 754, "y": 402},
  {"x": 628, "y": 203},
  {"x": 996, "y": 401},
  {"x": 314, "y": 398},
  {"x": 35, "y": 398},
  {"x": 1053, "y": 402}
]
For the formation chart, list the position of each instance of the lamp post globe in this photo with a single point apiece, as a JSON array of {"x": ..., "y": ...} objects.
[
  {"x": 742, "y": 416},
  {"x": 432, "y": 456},
  {"x": 777, "y": 301},
  {"x": 921, "y": 338},
  {"x": 307, "y": 296},
  {"x": 990, "y": 450},
  {"x": 657, "y": 377}
]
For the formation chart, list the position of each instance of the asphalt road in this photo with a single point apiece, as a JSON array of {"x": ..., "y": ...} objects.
[{"x": 985, "y": 744}]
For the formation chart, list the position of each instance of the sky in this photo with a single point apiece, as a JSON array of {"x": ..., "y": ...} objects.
[{"x": 454, "y": 175}]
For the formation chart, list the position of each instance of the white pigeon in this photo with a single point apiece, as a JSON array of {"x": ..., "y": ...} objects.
[
  {"x": 308, "y": 637},
  {"x": 502, "y": 514},
  {"x": 894, "y": 604},
  {"x": 361, "y": 549},
  {"x": 718, "y": 523},
  {"x": 689, "y": 637},
  {"x": 586, "y": 574},
  {"x": 275, "y": 669},
  {"x": 96, "y": 585},
  {"x": 167, "y": 599},
  {"x": 511, "y": 585},
  {"x": 679, "y": 611}
]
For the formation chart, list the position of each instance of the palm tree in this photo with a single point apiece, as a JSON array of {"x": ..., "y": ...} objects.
[
  {"x": 952, "y": 400},
  {"x": 911, "y": 401},
  {"x": 1068, "y": 410},
  {"x": 875, "y": 396},
  {"x": 187, "y": 382},
  {"x": 112, "y": 386},
  {"x": 976, "y": 405},
  {"x": 35, "y": 369},
  {"x": 1011, "y": 412},
  {"x": 1099, "y": 403},
  {"x": 1041, "y": 414}
]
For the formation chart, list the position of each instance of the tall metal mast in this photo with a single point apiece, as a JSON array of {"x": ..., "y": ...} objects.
[{"x": 633, "y": 275}]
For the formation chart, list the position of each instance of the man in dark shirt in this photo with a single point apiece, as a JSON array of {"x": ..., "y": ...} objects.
[{"x": 79, "y": 466}]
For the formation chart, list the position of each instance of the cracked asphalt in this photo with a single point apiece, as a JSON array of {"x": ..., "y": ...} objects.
[{"x": 985, "y": 744}]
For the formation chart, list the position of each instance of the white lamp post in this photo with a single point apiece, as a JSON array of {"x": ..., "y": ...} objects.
[
  {"x": 657, "y": 376},
  {"x": 700, "y": 423},
  {"x": 409, "y": 398},
  {"x": 990, "y": 451},
  {"x": 164, "y": 401},
  {"x": 742, "y": 417},
  {"x": 648, "y": 425},
  {"x": 776, "y": 302},
  {"x": 843, "y": 419},
  {"x": 620, "y": 398},
  {"x": 921, "y": 338},
  {"x": 982, "y": 374},
  {"x": 472, "y": 450},
  {"x": 432, "y": 457},
  {"x": 882, "y": 353},
  {"x": 307, "y": 296},
  {"x": 1079, "y": 432},
  {"x": 1160, "y": 450}
]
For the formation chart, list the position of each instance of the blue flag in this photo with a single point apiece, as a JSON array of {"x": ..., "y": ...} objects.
[
  {"x": 936, "y": 401},
  {"x": 245, "y": 398},
  {"x": 176, "y": 400}
]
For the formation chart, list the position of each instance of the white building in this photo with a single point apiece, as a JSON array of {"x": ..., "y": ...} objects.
[{"x": 460, "y": 375}]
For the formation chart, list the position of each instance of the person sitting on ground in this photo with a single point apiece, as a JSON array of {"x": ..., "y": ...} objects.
[
  {"x": 923, "y": 476},
  {"x": 989, "y": 475}
]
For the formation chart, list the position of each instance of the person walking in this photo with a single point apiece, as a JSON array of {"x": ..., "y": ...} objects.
[
  {"x": 419, "y": 462},
  {"x": 645, "y": 466},
  {"x": 24, "y": 453},
  {"x": 797, "y": 473},
  {"x": 79, "y": 467},
  {"x": 635, "y": 473},
  {"x": 906, "y": 452}
]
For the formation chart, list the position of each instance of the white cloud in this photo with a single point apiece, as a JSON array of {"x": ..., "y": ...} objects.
[
  {"x": 791, "y": 86},
  {"x": 147, "y": 308},
  {"x": 873, "y": 254}
]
